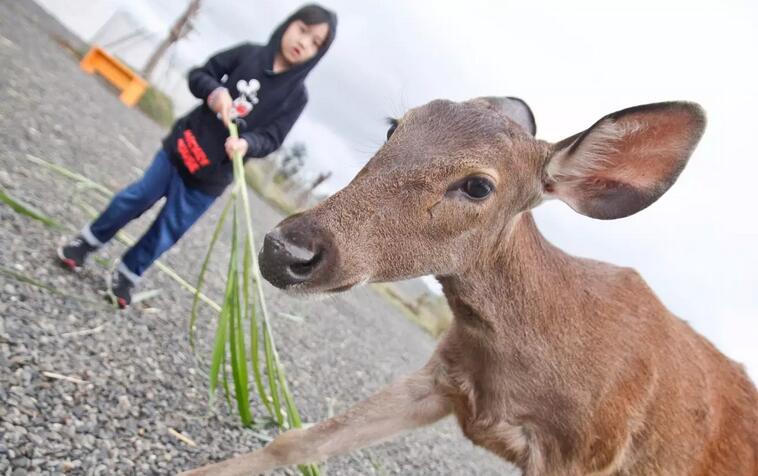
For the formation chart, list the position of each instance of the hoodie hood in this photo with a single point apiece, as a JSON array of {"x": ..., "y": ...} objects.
[{"x": 298, "y": 73}]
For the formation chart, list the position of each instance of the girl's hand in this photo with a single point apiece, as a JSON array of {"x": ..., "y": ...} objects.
[
  {"x": 233, "y": 145},
  {"x": 220, "y": 102}
]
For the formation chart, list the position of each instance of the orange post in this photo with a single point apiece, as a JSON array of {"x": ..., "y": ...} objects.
[{"x": 132, "y": 86}]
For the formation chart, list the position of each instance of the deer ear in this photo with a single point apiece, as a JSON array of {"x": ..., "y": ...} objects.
[
  {"x": 516, "y": 109},
  {"x": 626, "y": 160}
]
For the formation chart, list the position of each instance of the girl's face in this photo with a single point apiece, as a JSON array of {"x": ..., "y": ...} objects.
[{"x": 301, "y": 42}]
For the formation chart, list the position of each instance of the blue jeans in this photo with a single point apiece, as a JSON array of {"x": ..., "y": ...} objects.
[{"x": 183, "y": 207}]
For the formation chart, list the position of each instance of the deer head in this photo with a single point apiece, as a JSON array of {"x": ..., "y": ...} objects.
[{"x": 440, "y": 196}]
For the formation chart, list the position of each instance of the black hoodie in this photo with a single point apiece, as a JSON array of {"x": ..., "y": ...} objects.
[{"x": 196, "y": 142}]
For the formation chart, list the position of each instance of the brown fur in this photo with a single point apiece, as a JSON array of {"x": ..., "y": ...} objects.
[{"x": 558, "y": 364}]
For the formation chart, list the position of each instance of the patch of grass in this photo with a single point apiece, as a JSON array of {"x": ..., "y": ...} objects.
[
  {"x": 27, "y": 210},
  {"x": 432, "y": 314},
  {"x": 271, "y": 193},
  {"x": 157, "y": 106},
  {"x": 244, "y": 306}
]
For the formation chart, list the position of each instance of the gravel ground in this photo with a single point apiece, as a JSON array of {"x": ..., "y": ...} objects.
[{"x": 136, "y": 376}]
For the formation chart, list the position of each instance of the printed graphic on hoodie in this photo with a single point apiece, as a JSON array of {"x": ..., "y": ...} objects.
[{"x": 247, "y": 99}]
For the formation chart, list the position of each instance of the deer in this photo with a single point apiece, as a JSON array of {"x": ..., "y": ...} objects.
[{"x": 560, "y": 365}]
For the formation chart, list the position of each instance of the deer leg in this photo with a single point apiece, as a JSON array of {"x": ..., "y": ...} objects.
[{"x": 408, "y": 403}]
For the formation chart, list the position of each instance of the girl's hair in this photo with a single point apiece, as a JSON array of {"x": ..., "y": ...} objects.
[{"x": 313, "y": 14}]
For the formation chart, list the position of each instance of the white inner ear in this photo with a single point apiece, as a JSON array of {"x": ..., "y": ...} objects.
[{"x": 593, "y": 154}]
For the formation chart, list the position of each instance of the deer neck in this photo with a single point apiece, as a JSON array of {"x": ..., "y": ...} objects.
[{"x": 525, "y": 282}]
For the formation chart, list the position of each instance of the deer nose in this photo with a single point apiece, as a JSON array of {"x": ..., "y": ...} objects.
[{"x": 290, "y": 258}]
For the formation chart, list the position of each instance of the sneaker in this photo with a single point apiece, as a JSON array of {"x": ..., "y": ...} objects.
[
  {"x": 120, "y": 289},
  {"x": 74, "y": 253}
]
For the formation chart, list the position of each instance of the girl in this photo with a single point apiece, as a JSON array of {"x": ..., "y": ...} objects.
[{"x": 194, "y": 166}]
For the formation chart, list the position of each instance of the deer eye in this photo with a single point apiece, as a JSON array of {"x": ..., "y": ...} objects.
[
  {"x": 477, "y": 188},
  {"x": 393, "y": 126}
]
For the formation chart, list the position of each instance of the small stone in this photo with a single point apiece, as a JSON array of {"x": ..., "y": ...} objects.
[
  {"x": 123, "y": 404},
  {"x": 88, "y": 441},
  {"x": 36, "y": 439},
  {"x": 10, "y": 289},
  {"x": 5, "y": 179}
]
